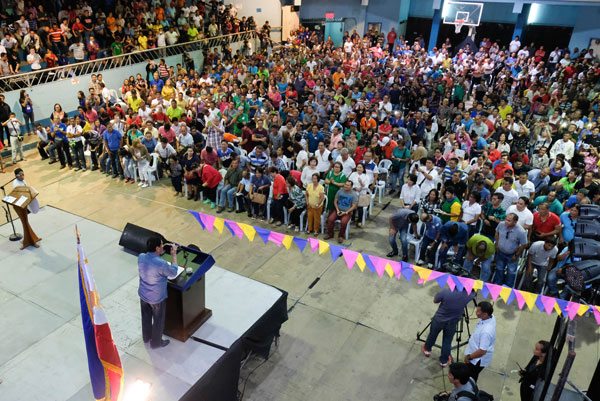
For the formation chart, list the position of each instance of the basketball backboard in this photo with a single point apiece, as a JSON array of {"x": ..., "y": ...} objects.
[{"x": 468, "y": 14}]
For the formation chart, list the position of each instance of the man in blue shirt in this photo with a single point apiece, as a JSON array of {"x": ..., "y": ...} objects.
[
  {"x": 345, "y": 201},
  {"x": 112, "y": 143},
  {"x": 58, "y": 133},
  {"x": 313, "y": 139},
  {"x": 433, "y": 228},
  {"x": 154, "y": 272},
  {"x": 454, "y": 234}
]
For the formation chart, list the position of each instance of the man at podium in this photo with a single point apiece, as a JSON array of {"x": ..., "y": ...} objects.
[
  {"x": 19, "y": 181},
  {"x": 154, "y": 273}
]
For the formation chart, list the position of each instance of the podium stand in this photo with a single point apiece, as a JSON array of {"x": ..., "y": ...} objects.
[
  {"x": 186, "y": 309},
  {"x": 29, "y": 236}
]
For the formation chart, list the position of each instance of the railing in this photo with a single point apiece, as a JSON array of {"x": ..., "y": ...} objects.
[{"x": 29, "y": 79}]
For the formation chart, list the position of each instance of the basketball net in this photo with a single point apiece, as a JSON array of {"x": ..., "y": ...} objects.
[{"x": 458, "y": 24}]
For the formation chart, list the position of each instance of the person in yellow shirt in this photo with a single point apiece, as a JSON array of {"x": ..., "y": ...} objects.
[
  {"x": 192, "y": 32},
  {"x": 504, "y": 109},
  {"x": 168, "y": 91},
  {"x": 337, "y": 77},
  {"x": 143, "y": 41},
  {"x": 134, "y": 102}
]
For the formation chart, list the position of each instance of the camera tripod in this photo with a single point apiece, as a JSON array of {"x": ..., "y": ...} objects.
[{"x": 460, "y": 329}]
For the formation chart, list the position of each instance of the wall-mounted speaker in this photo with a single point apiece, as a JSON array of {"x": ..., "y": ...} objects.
[{"x": 295, "y": 9}]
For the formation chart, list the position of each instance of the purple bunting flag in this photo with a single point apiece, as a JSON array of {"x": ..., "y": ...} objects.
[{"x": 300, "y": 243}]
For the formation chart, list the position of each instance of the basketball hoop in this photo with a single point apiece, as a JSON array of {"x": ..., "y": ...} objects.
[{"x": 458, "y": 24}]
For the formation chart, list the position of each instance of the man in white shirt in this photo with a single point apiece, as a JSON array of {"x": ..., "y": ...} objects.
[
  {"x": 564, "y": 146},
  {"x": 78, "y": 50},
  {"x": 322, "y": 155},
  {"x": 185, "y": 139},
  {"x": 524, "y": 214},
  {"x": 74, "y": 133},
  {"x": 172, "y": 36},
  {"x": 426, "y": 177},
  {"x": 470, "y": 212},
  {"x": 510, "y": 195},
  {"x": 348, "y": 164},
  {"x": 480, "y": 349},
  {"x": 524, "y": 187},
  {"x": 514, "y": 46}
]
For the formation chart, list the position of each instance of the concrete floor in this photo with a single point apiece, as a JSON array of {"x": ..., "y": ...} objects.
[{"x": 349, "y": 337}]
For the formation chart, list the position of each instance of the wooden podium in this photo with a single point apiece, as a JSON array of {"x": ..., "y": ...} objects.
[
  {"x": 29, "y": 236},
  {"x": 186, "y": 309}
]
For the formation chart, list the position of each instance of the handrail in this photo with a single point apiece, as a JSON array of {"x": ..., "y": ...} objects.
[{"x": 28, "y": 79}]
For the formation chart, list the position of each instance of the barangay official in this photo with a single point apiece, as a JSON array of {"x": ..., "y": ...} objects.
[{"x": 154, "y": 273}]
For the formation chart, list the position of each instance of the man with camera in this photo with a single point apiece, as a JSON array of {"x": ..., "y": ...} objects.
[
  {"x": 449, "y": 313},
  {"x": 16, "y": 138},
  {"x": 154, "y": 273},
  {"x": 465, "y": 389}
]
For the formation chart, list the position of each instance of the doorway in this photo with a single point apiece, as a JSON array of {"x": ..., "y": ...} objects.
[{"x": 335, "y": 30}]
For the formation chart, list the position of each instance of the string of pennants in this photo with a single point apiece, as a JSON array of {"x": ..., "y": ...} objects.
[{"x": 397, "y": 269}]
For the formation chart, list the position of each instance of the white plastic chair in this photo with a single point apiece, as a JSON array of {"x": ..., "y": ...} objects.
[
  {"x": 152, "y": 170},
  {"x": 385, "y": 164},
  {"x": 269, "y": 201},
  {"x": 337, "y": 221},
  {"x": 412, "y": 240},
  {"x": 381, "y": 184}
]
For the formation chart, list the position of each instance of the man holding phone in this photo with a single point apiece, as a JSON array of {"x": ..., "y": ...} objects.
[{"x": 154, "y": 273}]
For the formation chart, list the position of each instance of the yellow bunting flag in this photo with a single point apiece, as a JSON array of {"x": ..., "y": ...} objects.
[
  {"x": 505, "y": 293},
  {"x": 422, "y": 272},
  {"x": 478, "y": 285},
  {"x": 323, "y": 247},
  {"x": 557, "y": 308},
  {"x": 287, "y": 241},
  {"x": 219, "y": 224},
  {"x": 529, "y": 299},
  {"x": 248, "y": 230},
  {"x": 389, "y": 270},
  {"x": 360, "y": 262},
  {"x": 582, "y": 309}
]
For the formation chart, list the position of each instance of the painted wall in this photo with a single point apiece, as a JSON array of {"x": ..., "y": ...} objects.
[
  {"x": 544, "y": 14},
  {"x": 587, "y": 26},
  {"x": 386, "y": 12},
  {"x": 261, "y": 10},
  {"x": 352, "y": 12},
  {"x": 65, "y": 91}
]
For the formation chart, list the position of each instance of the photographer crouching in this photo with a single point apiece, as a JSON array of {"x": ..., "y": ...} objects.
[{"x": 465, "y": 389}]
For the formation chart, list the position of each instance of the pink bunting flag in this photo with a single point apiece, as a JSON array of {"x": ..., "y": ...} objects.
[
  {"x": 349, "y": 257},
  {"x": 314, "y": 244},
  {"x": 276, "y": 238},
  {"x": 434, "y": 275},
  {"x": 494, "y": 290},
  {"x": 548, "y": 303},
  {"x": 396, "y": 267},
  {"x": 596, "y": 314},
  {"x": 237, "y": 230},
  {"x": 467, "y": 283},
  {"x": 208, "y": 221},
  {"x": 572, "y": 309},
  {"x": 520, "y": 298},
  {"x": 451, "y": 285},
  {"x": 379, "y": 264}
]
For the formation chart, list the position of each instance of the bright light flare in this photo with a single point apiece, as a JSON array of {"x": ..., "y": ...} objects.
[{"x": 138, "y": 391}]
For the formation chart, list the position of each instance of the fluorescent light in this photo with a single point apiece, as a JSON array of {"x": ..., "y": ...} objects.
[
  {"x": 534, "y": 12},
  {"x": 138, "y": 391}
]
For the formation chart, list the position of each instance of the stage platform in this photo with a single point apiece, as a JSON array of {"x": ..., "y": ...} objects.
[{"x": 42, "y": 351}]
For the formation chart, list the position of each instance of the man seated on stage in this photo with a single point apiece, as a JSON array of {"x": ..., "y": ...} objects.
[{"x": 154, "y": 272}]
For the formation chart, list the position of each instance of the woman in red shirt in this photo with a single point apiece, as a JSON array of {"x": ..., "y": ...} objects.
[
  {"x": 210, "y": 179},
  {"x": 280, "y": 196}
]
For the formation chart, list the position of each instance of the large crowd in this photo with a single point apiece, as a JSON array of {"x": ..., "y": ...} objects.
[
  {"x": 38, "y": 38},
  {"x": 491, "y": 151}
]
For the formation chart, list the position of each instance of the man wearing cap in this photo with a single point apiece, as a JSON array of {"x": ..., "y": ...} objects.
[
  {"x": 480, "y": 249},
  {"x": 400, "y": 156}
]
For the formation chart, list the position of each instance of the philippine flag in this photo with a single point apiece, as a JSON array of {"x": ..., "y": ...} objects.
[{"x": 106, "y": 372}]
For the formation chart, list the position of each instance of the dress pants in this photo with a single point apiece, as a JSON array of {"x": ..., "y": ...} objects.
[
  {"x": 344, "y": 220},
  {"x": 153, "y": 322},
  {"x": 314, "y": 218}
]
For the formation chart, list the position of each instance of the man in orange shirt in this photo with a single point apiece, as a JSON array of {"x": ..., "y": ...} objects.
[
  {"x": 501, "y": 167},
  {"x": 387, "y": 146},
  {"x": 368, "y": 122},
  {"x": 337, "y": 77},
  {"x": 280, "y": 196}
]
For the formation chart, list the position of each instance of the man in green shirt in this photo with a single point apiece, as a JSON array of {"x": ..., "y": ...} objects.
[
  {"x": 174, "y": 111},
  {"x": 400, "y": 157},
  {"x": 492, "y": 213},
  {"x": 480, "y": 249},
  {"x": 553, "y": 204}
]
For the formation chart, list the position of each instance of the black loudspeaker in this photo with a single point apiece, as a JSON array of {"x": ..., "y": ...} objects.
[
  {"x": 135, "y": 238},
  {"x": 295, "y": 9}
]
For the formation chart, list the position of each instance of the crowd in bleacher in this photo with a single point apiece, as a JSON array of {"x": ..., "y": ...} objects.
[
  {"x": 491, "y": 151},
  {"x": 33, "y": 38}
]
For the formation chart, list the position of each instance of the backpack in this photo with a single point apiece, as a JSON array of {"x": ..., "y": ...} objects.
[{"x": 479, "y": 395}]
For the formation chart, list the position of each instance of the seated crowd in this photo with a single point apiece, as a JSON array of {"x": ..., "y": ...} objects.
[
  {"x": 38, "y": 38},
  {"x": 491, "y": 152}
]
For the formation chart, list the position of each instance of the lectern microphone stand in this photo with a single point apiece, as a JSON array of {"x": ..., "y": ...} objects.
[
  {"x": 15, "y": 236},
  {"x": 20, "y": 198}
]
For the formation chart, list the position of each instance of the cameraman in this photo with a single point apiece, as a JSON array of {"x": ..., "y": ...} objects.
[
  {"x": 450, "y": 311},
  {"x": 16, "y": 138},
  {"x": 465, "y": 389}
]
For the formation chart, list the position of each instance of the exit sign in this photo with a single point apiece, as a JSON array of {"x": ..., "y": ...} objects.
[{"x": 329, "y": 15}]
